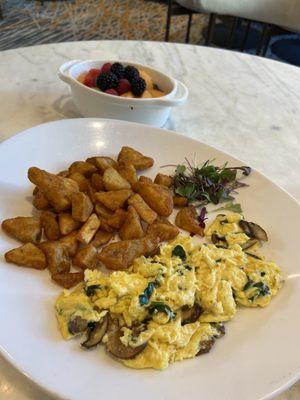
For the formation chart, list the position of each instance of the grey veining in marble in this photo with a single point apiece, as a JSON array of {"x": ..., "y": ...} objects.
[{"x": 246, "y": 106}]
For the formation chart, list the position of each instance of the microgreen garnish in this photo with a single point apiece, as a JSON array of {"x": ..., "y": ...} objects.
[
  {"x": 207, "y": 183},
  {"x": 91, "y": 290},
  {"x": 178, "y": 251},
  {"x": 233, "y": 207},
  {"x": 202, "y": 218},
  {"x": 145, "y": 297},
  {"x": 157, "y": 306}
]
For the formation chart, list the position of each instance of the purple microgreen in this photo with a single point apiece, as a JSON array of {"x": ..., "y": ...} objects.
[{"x": 202, "y": 218}]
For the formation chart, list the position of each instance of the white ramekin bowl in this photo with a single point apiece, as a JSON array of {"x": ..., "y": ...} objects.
[{"x": 93, "y": 103}]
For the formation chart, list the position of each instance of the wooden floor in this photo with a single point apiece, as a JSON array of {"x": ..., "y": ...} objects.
[{"x": 28, "y": 22}]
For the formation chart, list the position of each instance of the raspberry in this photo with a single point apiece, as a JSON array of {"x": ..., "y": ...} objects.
[
  {"x": 130, "y": 73},
  {"x": 106, "y": 67},
  {"x": 117, "y": 69},
  {"x": 123, "y": 86},
  {"x": 90, "y": 79},
  {"x": 107, "y": 80},
  {"x": 138, "y": 87},
  {"x": 112, "y": 91}
]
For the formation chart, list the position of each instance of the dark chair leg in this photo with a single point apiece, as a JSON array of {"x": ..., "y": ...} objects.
[
  {"x": 262, "y": 39},
  {"x": 187, "y": 37},
  {"x": 230, "y": 41},
  {"x": 210, "y": 29},
  {"x": 169, "y": 15},
  {"x": 245, "y": 37}
]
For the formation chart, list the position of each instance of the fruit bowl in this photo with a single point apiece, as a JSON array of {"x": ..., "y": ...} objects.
[{"x": 91, "y": 102}]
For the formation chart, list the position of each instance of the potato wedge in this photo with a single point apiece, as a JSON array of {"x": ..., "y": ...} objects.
[
  {"x": 102, "y": 211},
  {"x": 67, "y": 224},
  {"x": 27, "y": 255},
  {"x": 91, "y": 193},
  {"x": 180, "y": 201},
  {"x": 114, "y": 199},
  {"x": 107, "y": 228},
  {"x": 68, "y": 279},
  {"x": 70, "y": 243},
  {"x": 50, "y": 225},
  {"x": 145, "y": 212},
  {"x": 57, "y": 256},
  {"x": 131, "y": 228},
  {"x": 186, "y": 219},
  {"x": 40, "y": 202},
  {"x": 63, "y": 173},
  {"x": 128, "y": 155},
  {"x": 102, "y": 163},
  {"x": 112, "y": 180},
  {"x": 128, "y": 172},
  {"x": 120, "y": 255},
  {"x": 157, "y": 197},
  {"x": 97, "y": 182},
  {"x": 87, "y": 257},
  {"x": 57, "y": 190},
  {"x": 25, "y": 229},
  {"x": 117, "y": 219},
  {"x": 164, "y": 229},
  {"x": 164, "y": 180},
  {"x": 81, "y": 180},
  {"x": 89, "y": 229},
  {"x": 82, "y": 207},
  {"x": 101, "y": 238},
  {"x": 83, "y": 167},
  {"x": 145, "y": 179}
]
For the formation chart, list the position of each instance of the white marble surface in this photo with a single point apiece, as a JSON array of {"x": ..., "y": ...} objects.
[{"x": 243, "y": 105}]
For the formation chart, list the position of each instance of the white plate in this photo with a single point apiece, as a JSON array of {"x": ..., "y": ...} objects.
[{"x": 258, "y": 357}]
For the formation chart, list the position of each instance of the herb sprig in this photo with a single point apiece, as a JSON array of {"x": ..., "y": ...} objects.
[{"x": 207, "y": 183}]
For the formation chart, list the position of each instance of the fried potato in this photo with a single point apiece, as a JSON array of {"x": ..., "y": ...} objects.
[
  {"x": 164, "y": 180},
  {"x": 114, "y": 199},
  {"x": 112, "y": 180},
  {"x": 39, "y": 201},
  {"x": 102, "y": 211},
  {"x": 128, "y": 172},
  {"x": 164, "y": 229},
  {"x": 145, "y": 212},
  {"x": 101, "y": 238},
  {"x": 57, "y": 190},
  {"x": 105, "y": 227},
  {"x": 186, "y": 219},
  {"x": 67, "y": 224},
  {"x": 128, "y": 155},
  {"x": 81, "y": 180},
  {"x": 70, "y": 243},
  {"x": 89, "y": 229},
  {"x": 120, "y": 255},
  {"x": 57, "y": 256},
  {"x": 91, "y": 193},
  {"x": 157, "y": 197},
  {"x": 117, "y": 219},
  {"x": 50, "y": 225},
  {"x": 68, "y": 279},
  {"x": 131, "y": 228},
  {"x": 87, "y": 257},
  {"x": 82, "y": 207},
  {"x": 25, "y": 229},
  {"x": 35, "y": 191},
  {"x": 180, "y": 201},
  {"x": 83, "y": 167},
  {"x": 102, "y": 163},
  {"x": 27, "y": 255},
  {"x": 64, "y": 174},
  {"x": 145, "y": 179},
  {"x": 97, "y": 182}
]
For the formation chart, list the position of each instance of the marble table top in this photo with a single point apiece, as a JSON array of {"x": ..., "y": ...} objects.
[{"x": 244, "y": 105}]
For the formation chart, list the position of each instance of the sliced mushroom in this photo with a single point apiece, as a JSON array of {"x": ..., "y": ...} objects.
[
  {"x": 119, "y": 350},
  {"x": 77, "y": 325},
  {"x": 96, "y": 332},
  {"x": 220, "y": 327},
  {"x": 253, "y": 230},
  {"x": 190, "y": 314},
  {"x": 248, "y": 244},
  {"x": 205, "y": 346},
  {"x": 219, "y": 241}
]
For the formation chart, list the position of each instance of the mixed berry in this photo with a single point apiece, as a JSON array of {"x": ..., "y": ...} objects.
[{"x": 119, "y": 80}]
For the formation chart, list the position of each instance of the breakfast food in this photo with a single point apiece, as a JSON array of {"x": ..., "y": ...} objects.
[
  {"x": 119, "y": 80},
  {"x": 167, "y": 295},
  {"x": 173, "y": 305}
]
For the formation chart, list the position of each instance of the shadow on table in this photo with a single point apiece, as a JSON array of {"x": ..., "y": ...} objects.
[{"x": 64, "y": 105}]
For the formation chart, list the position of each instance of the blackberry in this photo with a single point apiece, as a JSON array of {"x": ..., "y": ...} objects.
[
  {"x": 138, "y": 86},
  {"x": 107, "y": 80},
  {"x": 131, "y": 73},
  {"x": 118, "y": 70}
]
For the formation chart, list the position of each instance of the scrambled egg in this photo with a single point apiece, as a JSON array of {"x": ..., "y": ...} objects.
[{"x": 156, "y": 293}]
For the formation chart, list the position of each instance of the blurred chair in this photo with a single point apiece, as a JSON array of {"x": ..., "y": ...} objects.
[{"x": 272, "y": 13}]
